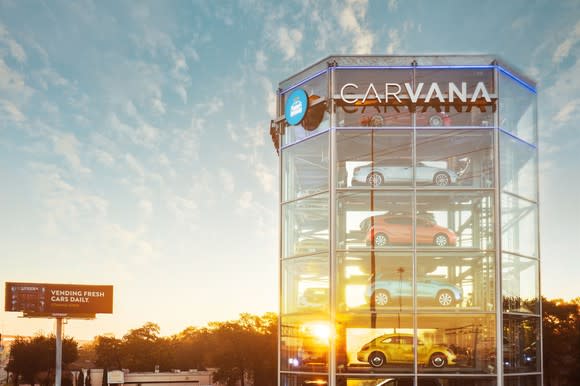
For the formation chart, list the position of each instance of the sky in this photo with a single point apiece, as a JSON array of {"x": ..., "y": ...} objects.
[{"x": 134, "y": 145}]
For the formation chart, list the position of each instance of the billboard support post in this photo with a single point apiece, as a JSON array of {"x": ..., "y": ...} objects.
[{"x": 58, "y": 375}]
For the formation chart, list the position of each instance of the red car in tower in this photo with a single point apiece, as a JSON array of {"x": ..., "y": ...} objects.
[{"x": 398, "y": 229}]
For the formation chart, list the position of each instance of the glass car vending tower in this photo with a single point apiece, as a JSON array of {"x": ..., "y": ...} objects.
[{"x": 409, "y": 223}]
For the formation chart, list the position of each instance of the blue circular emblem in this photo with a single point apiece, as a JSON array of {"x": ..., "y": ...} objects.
[{"x": 296, "y": 106}]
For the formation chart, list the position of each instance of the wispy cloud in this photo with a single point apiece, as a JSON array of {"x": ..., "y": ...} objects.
[
  {"x": 10, "y": 113},
  {"x": 563, "y": 50},
  {"x": 394, "y": 42},
  {"x": 68, "y": 146},
  {"x": 569, "y": 110},
  {"x": 351, "y": 19},
  {"x": 16, "y": 49},
  {"x": 289, "y": 40}
]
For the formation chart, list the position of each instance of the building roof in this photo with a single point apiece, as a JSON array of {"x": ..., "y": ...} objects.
[{"x": 402, "y": 60}]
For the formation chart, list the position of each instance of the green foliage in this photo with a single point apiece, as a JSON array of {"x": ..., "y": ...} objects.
[{"x": 29, "y": 356}]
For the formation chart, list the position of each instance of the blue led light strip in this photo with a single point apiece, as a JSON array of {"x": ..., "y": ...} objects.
[
  {"x": 304, "y": 81},
  {"x": 517, "y": 138},
  {"x": 458, "y": 67},
  {"x": 512, "y": 76}
]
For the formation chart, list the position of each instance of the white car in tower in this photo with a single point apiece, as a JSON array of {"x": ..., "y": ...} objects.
[{"x": 400, "y": 171}]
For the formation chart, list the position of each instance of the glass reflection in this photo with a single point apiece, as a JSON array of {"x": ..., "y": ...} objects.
[
  {"x": 303, "y": 380},
  {"x": 465, "y": 157},
  {"x": 305, "y": 168},
  {"x": 520, "y": 278},
  {"x": 374, "y": 282},
  {"x": 373, "y": 219},
  {"x": 305, "y": 284},
  {"x": 305, "y": 226},
  {"x": 517, "y": 110},
  {"x": 520, "y": 341},
  {"x": 304, "y": 343},
  {"x": 525, "y": 380},
  {"x": 519, "y": 227},
  {"x": 421, "y": 381},
  {"x": 468, "y": 340},
  {"x": 374, "y": 158},
  {"x": 519, "y": 167},
  {"x": 374, "y": 343},
  {"x": 462, "y": 281},
  {"x": 461, "y": 219}
]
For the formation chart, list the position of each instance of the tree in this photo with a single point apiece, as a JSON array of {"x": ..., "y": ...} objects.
[
  {"x": 245, "y": 349},
  {"x": 142, "y": 349},
  {"x": 29, "y": 356},
  {"x": 561, "y": 341},
  {"x": 191, "y": 348},
  {"x": 108, "y": 352}
]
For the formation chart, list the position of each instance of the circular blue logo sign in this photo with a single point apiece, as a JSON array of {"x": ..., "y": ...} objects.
[{"x": 296, "y": 106}]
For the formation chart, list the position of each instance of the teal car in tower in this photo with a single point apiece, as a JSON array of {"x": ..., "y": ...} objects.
[{"x": 385, "y": 289}]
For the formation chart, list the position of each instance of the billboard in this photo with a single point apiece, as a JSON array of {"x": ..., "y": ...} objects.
[{"x": 65, "y": 300}]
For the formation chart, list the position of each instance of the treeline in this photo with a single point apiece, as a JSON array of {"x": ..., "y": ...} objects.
[{"x": 245, "y": 349}]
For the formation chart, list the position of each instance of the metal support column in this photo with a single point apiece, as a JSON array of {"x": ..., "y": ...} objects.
[{"x": 58, "y": 371}]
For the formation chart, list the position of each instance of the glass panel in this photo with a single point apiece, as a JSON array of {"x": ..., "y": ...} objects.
[
  {"x": 375, "y": 381},
  {"x": 374, "y": 219},
  {"x": 456, "y": 343},
  {"x": 374, "y": 282},
  {"x": 462, "y": 381},
  {"x": 304, "y": 343},
  {"x": 520, "y": 342},
  {"x": 519, "y": 167},
  {"x": 305, "y": 168},
  {"x": 374, "y": 343},
  {"x": 455, "y": 281},
  {"x": 362, "y": 100},
  {"x": 374, "y": 158},
  {"x": 305, "y": 226},
  {"x": 455, "y": 219},
  {"x": 519, "y": 227},
  {"x": 525, "y": 380},
  {"x": 520, "y": 284},
  {"x": 317, "y": 118},
  {"x": 517, "y": 109},
  {"x": 455, "y": 157},
  {"x": 303, "y": 380},
  {"x": 305, "y": 284},
  {"x": 451, "y": 97},
  {"x": 422, "y": 381}
]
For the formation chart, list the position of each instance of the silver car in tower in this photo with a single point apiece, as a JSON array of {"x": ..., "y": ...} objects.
[{"x": 400, "y": 171}]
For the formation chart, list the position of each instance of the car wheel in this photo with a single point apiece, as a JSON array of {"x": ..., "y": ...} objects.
[
  {"x": 377, "y": 359},
  {"x": 441, "y": 179},
  {"x": 381, "y": 297},
  {"x": 445, "y": 298},
  {"x": 438, "y": 360},
  {"x": 435, "y": 120},
  {"x": 381, "y": 240},
  {"x": 441, "y": 240},
  {"x": 375, "y": 179}
]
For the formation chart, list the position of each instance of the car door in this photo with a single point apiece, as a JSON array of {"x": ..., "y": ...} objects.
[
  {"x": 424, "y": 231},
  {"x": 399, "y": 229},
  {"x": 406, "y": 349},
  {"x": 399, "y": 171}
]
